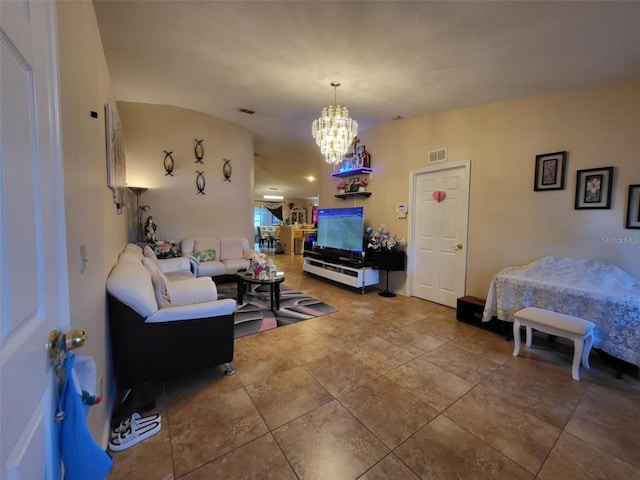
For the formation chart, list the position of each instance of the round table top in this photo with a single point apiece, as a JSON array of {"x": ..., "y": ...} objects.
[{"x": 265, "y": 278}]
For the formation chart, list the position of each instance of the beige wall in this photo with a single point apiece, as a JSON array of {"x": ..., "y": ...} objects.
[
  {"x": 226, "y": 208},
  {"x": 509, "y": 223},
  {"x": 91, "y": 217}
]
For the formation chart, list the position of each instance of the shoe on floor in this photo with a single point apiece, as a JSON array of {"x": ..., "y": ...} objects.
[
  {"x": 135, "y": 419},
  {"x": 133, "y": 435}
]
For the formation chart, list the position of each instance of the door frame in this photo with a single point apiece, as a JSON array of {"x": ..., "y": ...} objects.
[{"x": 413, "y": 177}]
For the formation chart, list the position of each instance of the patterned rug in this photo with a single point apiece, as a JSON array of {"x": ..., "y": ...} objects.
[{"x": 254, "y": 315}]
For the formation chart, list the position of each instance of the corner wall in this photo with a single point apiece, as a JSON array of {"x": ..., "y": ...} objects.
[
  {"x": 509, "y": 223},
  {"x": 91, "y": 219},
  {"x": 225, "y": 208}
]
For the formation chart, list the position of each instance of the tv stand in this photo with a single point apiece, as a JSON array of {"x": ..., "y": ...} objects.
[{"x": 343, "y": 270}]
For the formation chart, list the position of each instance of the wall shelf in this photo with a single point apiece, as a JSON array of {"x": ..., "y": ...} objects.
[
  {"x": 353, "y": 194},
  {"x": 351, "y": 173}
]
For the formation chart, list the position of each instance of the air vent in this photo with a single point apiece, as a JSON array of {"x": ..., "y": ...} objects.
[
  {"x": 246, "y": 110},
  {"x": 438, "y": 155}
]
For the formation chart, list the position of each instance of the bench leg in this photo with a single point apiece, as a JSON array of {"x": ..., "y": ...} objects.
[
  {"x": 516, "y": 337},
  {"x": 529, "y": 336},
  {"x": 588, "y": 343},
  {"x": 578, "y": 345}
]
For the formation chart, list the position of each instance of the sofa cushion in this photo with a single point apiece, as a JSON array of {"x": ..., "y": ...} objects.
[
  {"x": 159, "y": 282},
  {"x": 204, "y": 244},
  {"x": 232, "y": 265},
  {"x": 206, "y": 255},
  {"x": 130, "y": 283},
  {"x": 232, "y": 247},
  {"x": 195, "y": 290},
  {"x": 211, "y": 269}
]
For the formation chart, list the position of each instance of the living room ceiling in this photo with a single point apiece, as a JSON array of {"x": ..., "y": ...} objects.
[{"x": 411, "y": 59}]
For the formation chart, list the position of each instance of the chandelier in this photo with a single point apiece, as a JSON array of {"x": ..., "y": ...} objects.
[{"x": 334, "y": 130}]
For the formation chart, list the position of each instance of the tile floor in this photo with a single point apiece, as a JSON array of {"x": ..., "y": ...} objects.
[{"x": 390, "y": 388}]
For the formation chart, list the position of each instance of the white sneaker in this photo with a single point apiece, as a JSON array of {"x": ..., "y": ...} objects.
[
  {"x": 134, "y": 434},
  {"x": 134, "y": 419}
]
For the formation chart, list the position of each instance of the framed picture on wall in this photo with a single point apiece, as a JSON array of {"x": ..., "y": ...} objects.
[
  {"x": 550, "y": 171},
  {"x": 116, "y": 161},
  {"x": 633, "y": 207},
  {"x": 593, "y": 188}
]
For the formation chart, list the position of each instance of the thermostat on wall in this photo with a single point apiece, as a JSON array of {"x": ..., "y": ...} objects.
[{"x": 401, "y": 211}]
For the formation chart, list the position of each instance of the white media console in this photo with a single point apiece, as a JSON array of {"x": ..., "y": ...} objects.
[{"x": 359, "y": 277}]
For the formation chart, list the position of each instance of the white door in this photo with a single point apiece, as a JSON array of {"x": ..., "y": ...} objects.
[
  {"x": 438, "y": 232},
  {"x": 33, "y": 274}
]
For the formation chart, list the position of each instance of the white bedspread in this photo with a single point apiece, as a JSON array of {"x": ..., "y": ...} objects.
[{"x": 594, "y": 290}]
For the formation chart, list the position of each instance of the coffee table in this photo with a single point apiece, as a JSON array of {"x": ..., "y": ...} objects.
[{"x": 273, "y": 280}]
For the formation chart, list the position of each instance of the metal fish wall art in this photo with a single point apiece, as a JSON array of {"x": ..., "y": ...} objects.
[
  {"x": 200, "y": 182},
  {"x": 168, "y": 163},
  {"x": 199, "y": 151},
  {"x": 226, "y": 169}
]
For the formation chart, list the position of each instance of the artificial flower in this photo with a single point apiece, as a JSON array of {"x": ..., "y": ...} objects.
[{"x": 382, "y": 240}]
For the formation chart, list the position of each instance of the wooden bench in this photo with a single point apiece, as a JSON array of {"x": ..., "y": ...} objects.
[{"x": 573, "y": 328}]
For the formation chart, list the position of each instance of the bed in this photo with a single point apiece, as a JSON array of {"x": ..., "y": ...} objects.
[{"x": 598, "y": 291}]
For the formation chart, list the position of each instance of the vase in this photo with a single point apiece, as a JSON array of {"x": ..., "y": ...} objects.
[
  {"x": 341, "y": 191},
  {"x": 362, "y": 189}
]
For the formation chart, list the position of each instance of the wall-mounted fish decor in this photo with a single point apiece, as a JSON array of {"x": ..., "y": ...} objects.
[
  {"x": 200, "y": 182},
  {"x": 199, "y": 151},
  {"x": 226, "y": 169},
  {"x": 168, "y": 163}
]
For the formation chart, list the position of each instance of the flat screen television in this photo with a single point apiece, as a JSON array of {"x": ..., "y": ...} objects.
[{"x": 341, "y": 229}]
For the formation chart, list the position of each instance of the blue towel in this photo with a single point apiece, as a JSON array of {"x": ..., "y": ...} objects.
[{"x": 82, "y": 457}]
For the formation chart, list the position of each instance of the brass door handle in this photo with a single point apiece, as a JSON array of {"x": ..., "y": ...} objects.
[
  {"x": 60, "y": 341},
  {"x": 457, "y": 246}
]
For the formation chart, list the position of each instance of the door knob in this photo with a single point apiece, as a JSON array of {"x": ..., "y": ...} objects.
[
  {"x": 60, "y": 341},
  {"x": 457, "y": 246}
]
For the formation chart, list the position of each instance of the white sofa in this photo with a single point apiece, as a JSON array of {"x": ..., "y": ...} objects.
[
  {"x": 158, "y": 333},
  {"x": 230, "y": 254}
]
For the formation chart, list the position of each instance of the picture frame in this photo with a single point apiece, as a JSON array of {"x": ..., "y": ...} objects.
[
  {"x": 549, "y": 173},
  {"x": 116, "y": 159},
  {"x": 353, "y": 185},
  {"x": 593, "y": 188},
  {"x": 633, "y": 207}
]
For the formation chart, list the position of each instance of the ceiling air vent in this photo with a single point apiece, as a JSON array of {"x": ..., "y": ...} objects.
[
  {"x": 247, "y": 111},
  {"x": 438, "y": 155}
]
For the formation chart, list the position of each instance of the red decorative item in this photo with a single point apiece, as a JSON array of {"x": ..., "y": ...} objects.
[{"x": 439, "y": 195}]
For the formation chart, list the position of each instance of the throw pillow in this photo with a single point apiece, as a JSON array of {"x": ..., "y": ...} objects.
[
  {"x": 152, "y": 265},
  {"x": 206, "y": 256},
  {"x": 160, "y": 289}
]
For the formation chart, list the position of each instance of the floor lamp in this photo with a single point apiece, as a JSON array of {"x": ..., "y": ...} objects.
[{"x": 140, "y": 208}]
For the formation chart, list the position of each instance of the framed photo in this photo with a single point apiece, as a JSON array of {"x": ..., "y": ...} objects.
[
  {"x": 633, "y": 207},
  {"x": 593, "y": 188},
  {"x": 353, "y": 185},
  {"x": 116, "y": 160},
  {"x": 550, "y": 171}
]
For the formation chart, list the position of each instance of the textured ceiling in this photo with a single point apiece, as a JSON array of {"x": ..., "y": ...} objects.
[{"x": 392, "y": 58}]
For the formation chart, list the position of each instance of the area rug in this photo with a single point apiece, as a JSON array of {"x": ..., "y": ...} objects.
[{"x": 254, "y": 315}]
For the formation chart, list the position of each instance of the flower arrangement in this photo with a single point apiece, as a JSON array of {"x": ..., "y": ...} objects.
[
  {"x": 342, "y": 185},
  {"x": 382, "y": 240},
  {"x": 363, "y": 182}
]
